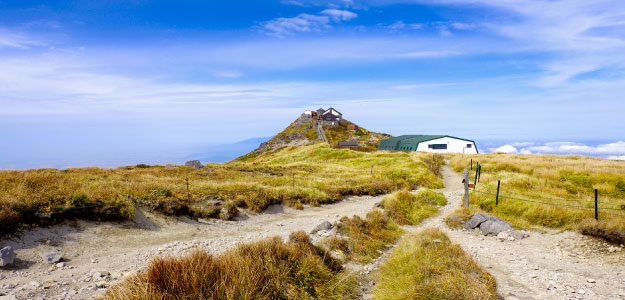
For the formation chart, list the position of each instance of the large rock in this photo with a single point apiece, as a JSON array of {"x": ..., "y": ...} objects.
[
  {"x": 325, "y": 225},
  {"x": 52, "y": 257},
  {"x": 476, "y": 220},
  {"x": 196, "y": 164},
  {"x": 7, "y": 256},
  {"x": 494, "y": 227},
  {"x": 479, "y": 218}
]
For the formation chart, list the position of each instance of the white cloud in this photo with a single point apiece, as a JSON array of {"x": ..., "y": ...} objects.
[
  {"x": 430, "y": 54},
  {"x": 228, "y": 74},
  {"x": 399, "y": 25},
  {"x": 614, "y": 150},
  {"x": 614, "y": 157},
  {"x": 522, "y": 144},
  {"x": 282, "y": 27},
  {"x": 463, "y": 26},
  {"x": 13, "y": 39},
  {"x": 577, "y": 33},
  {"x": 301, "y": 23},
  {"x": 505, "y": 149},
  {"x": 339, "y": 15}
]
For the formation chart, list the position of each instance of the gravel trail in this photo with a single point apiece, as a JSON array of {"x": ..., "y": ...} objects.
[
  {"x": 565, "y": 265},
  {"x": 96, "y": 255}
]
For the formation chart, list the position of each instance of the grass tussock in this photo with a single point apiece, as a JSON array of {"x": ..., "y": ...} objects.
[
  {"x": 322, "y": 175},
  {"x": 364, "y": 239},
  {"x": 410, "y": 209},
  {"x": 568, "y": 182},
  {"x": 269, "y": 269},
  {"x": 428, "y": 266}
]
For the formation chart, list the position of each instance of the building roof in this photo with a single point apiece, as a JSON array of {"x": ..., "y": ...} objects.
[
  {"x": 332, "y": 109},
  {"x": 349, "y": 143},
  {"x": 416, "y": 139}
]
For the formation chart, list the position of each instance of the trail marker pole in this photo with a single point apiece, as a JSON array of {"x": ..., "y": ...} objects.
[
  {"x": 371, "y": 169},
  {"x": 497, "y": 198},
  {"x": 293, "y": 182},
  {"x": 479, "y": 172},
  {"x": 466, "y": 187},
  {"x": 596, "y": 205},
  {"x": 471, "y": 164}
]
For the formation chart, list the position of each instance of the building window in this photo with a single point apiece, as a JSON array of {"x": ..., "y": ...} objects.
[
  {"x": 469, "y": 145},
  {"x": 437, "y": 146}
]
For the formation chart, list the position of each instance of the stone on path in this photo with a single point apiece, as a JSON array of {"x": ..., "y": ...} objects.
[
  {"x": 52, "y": 257},
  {"x": 494, "y": 227},
  {"x": 7, "y": 256},
  {"x": 325, "y": 225}
]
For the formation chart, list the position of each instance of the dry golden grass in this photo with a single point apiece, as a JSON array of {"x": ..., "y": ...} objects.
[
  {"x": 567, "y": 182},
  {"x": 428, "y": 266},
  {"x": 322, "y": 175},
  {"x": 410, "y": 209},
  {"x": 269, "y": 269},
  {"x": 365, "y": 238}
]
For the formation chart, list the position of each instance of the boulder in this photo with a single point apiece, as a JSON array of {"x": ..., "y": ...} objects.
[
  {"x": 476, "y": 220},
  {"x": 494, "y": 227},
  {"x": 196, "y": 164},
  {"x": 52, "y": 257},
  {"x": 8, "y": 297},
  {"x": 325, "y": 225},
  {"x": 7, "y": 256}
]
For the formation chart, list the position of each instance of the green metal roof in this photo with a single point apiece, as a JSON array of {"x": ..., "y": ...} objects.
[
  {"x": 416, "y": 139},
  {"x": 405, "y": 140}
]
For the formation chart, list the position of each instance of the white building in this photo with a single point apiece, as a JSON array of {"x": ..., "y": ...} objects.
[{"x": 429, "y": 143}]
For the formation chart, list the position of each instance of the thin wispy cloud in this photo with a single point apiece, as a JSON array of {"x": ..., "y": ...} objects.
[{"x": 281, "y": 27}]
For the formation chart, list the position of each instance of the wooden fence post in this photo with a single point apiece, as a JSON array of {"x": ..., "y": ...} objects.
[
  {"x": 471, "y": 164},
  {"x": 371, "y": 169},
  {"x": 466, "y": 187},
  {"x": 475, "y": 181},
  {"x": 497, "y": 198},
  {"x": 293, "y": 182}
]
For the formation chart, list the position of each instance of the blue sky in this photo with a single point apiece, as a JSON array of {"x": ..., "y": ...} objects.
[{"x": 118, "y": 82}]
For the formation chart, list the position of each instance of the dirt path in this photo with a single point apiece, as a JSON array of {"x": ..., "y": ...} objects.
[
  {"x": 544, "y": 266},
  {"x": 97, "y": 255},
  {"x": 563, "y": 265}
]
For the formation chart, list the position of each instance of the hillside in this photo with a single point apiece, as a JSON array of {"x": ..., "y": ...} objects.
[
  {"x": 304, "y": 131},
  {"x": 312, "y": 174}
]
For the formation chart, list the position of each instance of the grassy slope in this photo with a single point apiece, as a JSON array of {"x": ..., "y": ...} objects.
[
  {"x": 428, "y": 266},
  {"x": 322, "y": 175},
  {"x": 563, "y": 180},
  {"x": 365, "y": 138}
]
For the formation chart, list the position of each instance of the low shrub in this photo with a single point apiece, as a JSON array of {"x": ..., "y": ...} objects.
[
  {"x": 269, "y": 269},
  {"x": 428, "y": 266},
  {"x": 366, "y": 238},
  {"x": 410, "y": 209}
]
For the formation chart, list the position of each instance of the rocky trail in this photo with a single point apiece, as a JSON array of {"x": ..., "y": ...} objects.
[
  {"x": 555, "y": 265},
  {"x": 97, "y": 255},
  {"x": 562, "y": 265}
]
